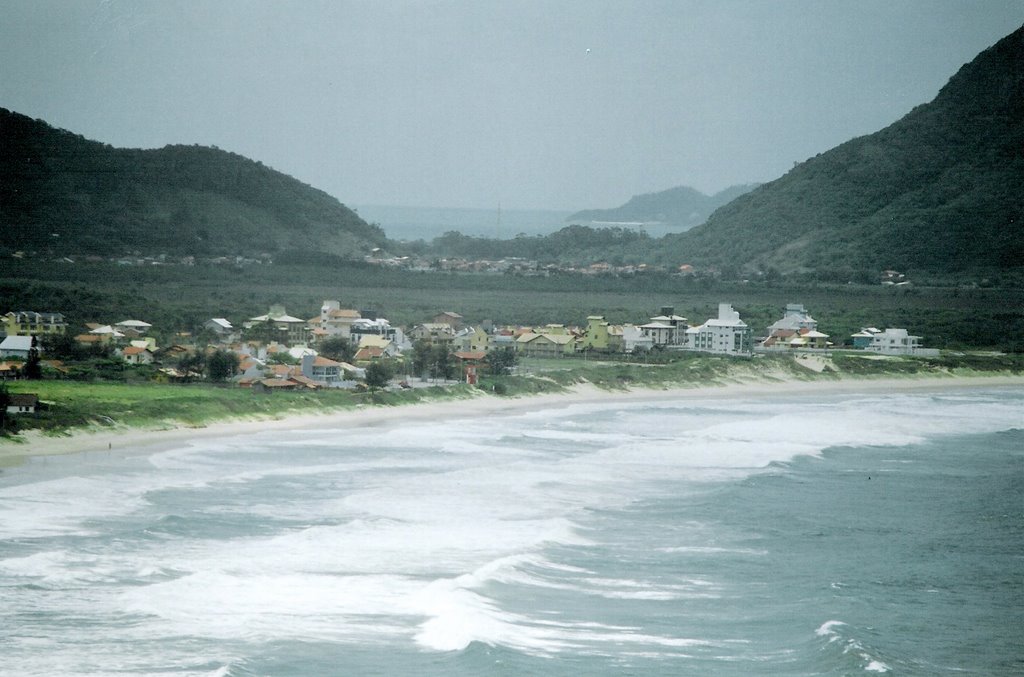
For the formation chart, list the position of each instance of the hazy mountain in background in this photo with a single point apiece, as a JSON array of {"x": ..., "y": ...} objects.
[
  {"x": 940, "y": 190},
  {"x": 60, "y": 192},
  {"x": 677, "y": 209},
  {"x": 426, "y": 223}
]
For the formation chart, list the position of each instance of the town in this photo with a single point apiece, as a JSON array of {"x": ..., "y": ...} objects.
[{"x": 357, "y": 349}]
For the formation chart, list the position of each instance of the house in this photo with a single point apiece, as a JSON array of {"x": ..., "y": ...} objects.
[
  {"x": 22, "y": 403},
  {"x": 894, "y": 341},
  {"x": 107, "y": 334},
  {"x": 667, "y": 330},
  {"x": 435, "y": 333},
  {"x": 454, "y": 320},
  {"x": 795, "y": 317},
  {"x": 634, "y": 339},
  {"x": 9, "y": 370},
  {"x": 269, "y": 385},
  {"x": 368, "y": 354},
  {"x": 387, "y": 347},
  {"x": 601, "y": 336},
  {"x": 799, "y": 339},
  {"x": 377, "y": 326},
  {"x": 727, "y": 334},
  {"x": 322, "y": 369},
  {"x": 137, "y": 355},
  {"x": 305, "y": 382},
  {"x": 220, "y": 327},
  {"x": 31, "y": 323},
  {"x": 863, "y": 338},
  {"x": 546, "y": 345},
  {"x": 132, "y": 327},
  {"x": 16, "y": 346},
  {"x": 290, "y": 329},
  {"x": 335, "y": 320},
  {"x": 472, "y": 339}
]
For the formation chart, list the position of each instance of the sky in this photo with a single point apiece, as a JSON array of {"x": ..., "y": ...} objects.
[{"x": 529, "y": 104}]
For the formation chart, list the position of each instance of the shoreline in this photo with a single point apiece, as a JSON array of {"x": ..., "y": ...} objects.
[{"x": 33, "y": 444}]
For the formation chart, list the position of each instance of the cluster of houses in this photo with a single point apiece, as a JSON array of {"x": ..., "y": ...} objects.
[{"x": 285, "y": 355}]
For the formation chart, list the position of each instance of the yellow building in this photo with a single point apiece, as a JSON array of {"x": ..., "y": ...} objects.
[{"x": 31, "y": 323}]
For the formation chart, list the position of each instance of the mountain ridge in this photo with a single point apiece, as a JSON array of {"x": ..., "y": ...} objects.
[
  {"x": 63, "y": 193},
  {"x": 681, "y": 207},
  {"x": 939, "y": 189}
]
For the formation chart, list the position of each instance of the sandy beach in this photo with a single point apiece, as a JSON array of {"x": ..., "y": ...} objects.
[{"x": 33, "y": 444}]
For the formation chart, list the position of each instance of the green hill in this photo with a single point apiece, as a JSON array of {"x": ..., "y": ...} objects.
[
  {"x": 62, "y": 193},
  {"x": 681, "y": 207},
  {"x": 941, "y": 190}
]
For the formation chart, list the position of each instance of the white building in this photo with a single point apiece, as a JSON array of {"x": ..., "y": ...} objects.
[
  {"x": 666, "y": 329},
  {"x": 16, "y": 346},
  {"x": 219, "y": 326},
  {"x": 727, "y": 334},
  {"x": 337, "y": 321},
  {"x": 894, "y": 341}
]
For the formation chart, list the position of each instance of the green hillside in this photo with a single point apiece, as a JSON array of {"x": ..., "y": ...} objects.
[
  {"x": 60, "y": 192},
  {"x": 938, "y": 191},
  {"x": 681, "y": 207}
]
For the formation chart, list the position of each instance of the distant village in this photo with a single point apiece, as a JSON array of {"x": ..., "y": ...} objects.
[
  {"x": 378, "y": 257},
  {"x": 278, "y": 351}
]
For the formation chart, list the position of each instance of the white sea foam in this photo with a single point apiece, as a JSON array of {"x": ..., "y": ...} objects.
[
  {"x": 424, "y": 533},
  {"x": 826, "y": 629}
]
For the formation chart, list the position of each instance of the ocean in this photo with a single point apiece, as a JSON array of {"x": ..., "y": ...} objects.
[{"x": 852, "y": 534}]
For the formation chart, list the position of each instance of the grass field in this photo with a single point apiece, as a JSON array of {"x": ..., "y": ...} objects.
[
  {"x": 71, "y": 405},
  {"x": 176, "y": 298}
]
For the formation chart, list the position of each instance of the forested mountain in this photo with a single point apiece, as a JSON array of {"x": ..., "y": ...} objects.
[
  {"x": 941, "y": 190},
  {"x": 681, "y": 207},
  {"x": 60, "y": 192}
]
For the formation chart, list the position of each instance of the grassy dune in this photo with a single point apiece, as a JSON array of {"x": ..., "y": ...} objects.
[{"x": 71, "y": 406}]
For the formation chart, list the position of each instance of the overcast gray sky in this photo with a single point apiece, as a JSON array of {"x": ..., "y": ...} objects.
[{"x": 560, "y": 104}]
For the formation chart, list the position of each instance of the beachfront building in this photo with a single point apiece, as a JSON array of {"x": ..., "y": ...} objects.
[
  {"x": 795, "y": 318},
  {"x": 22, "y": 403},
  {"x": 633, "y": 338},
  {"x": 864, "y": 337},
  {"x": 666, "y": 330},
  {"x": 727, "y": 334},
  {"x": 599, "y": 336},
  {"x": 546, "y": 344},
  {"x": 895, "y": 341},
  {"x": 797, "y": 330},
  {"x": 472, "y": 339}
]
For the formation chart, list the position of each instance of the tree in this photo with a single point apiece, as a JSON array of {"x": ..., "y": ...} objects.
[
  {"x": 264, "y": 332},
  {"x": 421, "y": 357},
  {"x": 502, "y": 360},
  {"x": 5, "y": 399},
  {"x": 33, "y": 365},
  {"x": 443, "y": 366},
  {"x": 378, "y": 375},
  {"x": 191, "y": 363},
  {"x": 221, "y": 365},
  {"x": 337, "y": 348},
  {"x": 63, "y": 346}
]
